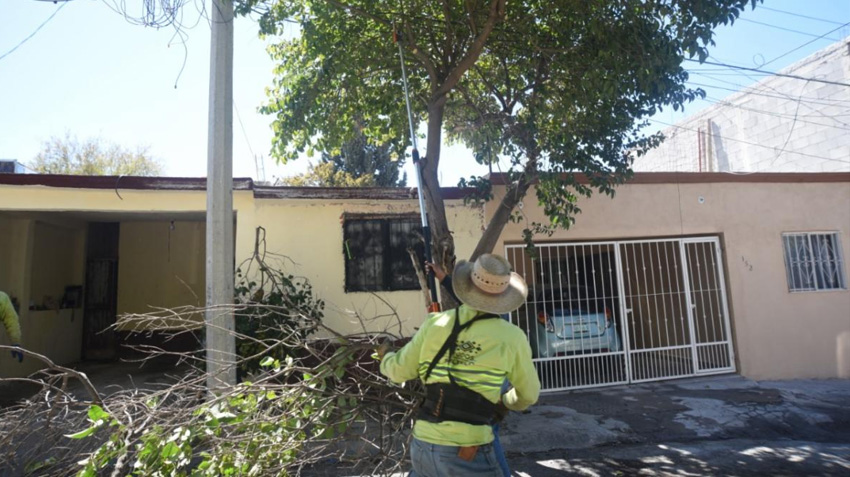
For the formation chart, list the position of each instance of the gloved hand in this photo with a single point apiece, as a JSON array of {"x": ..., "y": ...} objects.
[
  {"x": 17, "y": 353},
  {"x": 383, "y": 349}
]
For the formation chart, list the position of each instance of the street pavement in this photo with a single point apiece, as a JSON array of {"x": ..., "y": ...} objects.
[{"x": 724, "y": 425}]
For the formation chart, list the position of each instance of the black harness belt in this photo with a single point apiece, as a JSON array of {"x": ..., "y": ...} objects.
[{"x": 451, "y": 401}]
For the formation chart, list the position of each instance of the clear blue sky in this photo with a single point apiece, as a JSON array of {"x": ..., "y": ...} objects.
[{"x": 91, "y": 73}]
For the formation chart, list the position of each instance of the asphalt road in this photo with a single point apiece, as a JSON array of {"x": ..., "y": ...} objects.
[{"x": 735, "y": 457}]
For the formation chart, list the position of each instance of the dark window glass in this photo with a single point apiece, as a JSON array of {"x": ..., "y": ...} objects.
[{"x": 376, "y": 256}]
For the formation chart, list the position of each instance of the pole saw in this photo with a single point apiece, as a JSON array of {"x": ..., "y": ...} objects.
[{"x": 426, "y": 228}]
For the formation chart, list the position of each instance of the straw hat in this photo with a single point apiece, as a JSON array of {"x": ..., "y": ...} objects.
[{"x": 489, "y": 285}]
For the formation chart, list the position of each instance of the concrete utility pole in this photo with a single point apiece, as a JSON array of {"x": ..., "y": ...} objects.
[{"x": 221, "y": 345}]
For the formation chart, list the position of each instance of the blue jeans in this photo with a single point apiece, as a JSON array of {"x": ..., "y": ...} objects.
[
  {"x": 500, "y": 452},
  {"x": 497, "y": 444},
  {"x": 433, "y": 460}
]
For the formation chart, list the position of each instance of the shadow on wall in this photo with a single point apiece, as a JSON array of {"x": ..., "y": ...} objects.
[
  {"x": 719, "y": 151},
  {"x": 842, "y": 354}
]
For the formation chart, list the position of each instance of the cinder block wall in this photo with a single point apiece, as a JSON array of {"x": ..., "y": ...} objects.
[{"x": 762, "y": 128}]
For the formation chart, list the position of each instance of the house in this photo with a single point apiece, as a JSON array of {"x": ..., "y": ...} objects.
[
  {"x": 781, "y": 123},
  {"x": 699, "y": 273}
]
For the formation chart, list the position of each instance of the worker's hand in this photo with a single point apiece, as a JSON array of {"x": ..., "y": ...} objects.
[
  {"x": 383, "y": 349},
  {"x": 17, "y": 353},
  {"x": 439, "y": 273}
]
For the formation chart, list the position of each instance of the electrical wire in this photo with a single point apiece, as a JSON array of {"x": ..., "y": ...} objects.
[
  {"x": 781, "y": 28},
  {"x": 4, "y": 55},
  {"x": 748, "y": 142},
  {"x": 773, "y": 73},
  {"x": 804, "y": 45},
  {"x": 760, "y": 92},
  {"x": 766, "y": 85},
  {"x": 722, "y": 102},
  {"x": 799, "y": 15}
]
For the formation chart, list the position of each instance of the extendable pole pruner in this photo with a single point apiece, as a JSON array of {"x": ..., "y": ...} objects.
[{"x": 426, "y": 228}]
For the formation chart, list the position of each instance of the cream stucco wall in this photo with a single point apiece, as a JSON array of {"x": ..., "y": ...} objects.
[
  {"x": 40, "y": 256},
  {"x": 778, "y": 334},
  {"x": 310, "y": 232},
  {"x": 161, "y": 265}
]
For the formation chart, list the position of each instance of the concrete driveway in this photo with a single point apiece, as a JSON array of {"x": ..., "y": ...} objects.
[{"x": 724, "y": 425}]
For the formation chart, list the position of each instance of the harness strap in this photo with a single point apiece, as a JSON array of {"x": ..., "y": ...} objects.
[{"x": 451, "y": 342}]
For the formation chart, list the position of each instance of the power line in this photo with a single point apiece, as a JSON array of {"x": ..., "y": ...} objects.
[
  {"x": 244, "y": 133},
  {"x": 783, "y": 75},
  {"x": 781, "y": 28},
  {"x": 34, "y": 32},
  {"x": 743, "y": 90},
  {"x": 762, "y": 7},
  {"x": 722, "y": 102},
  {"x": 764, "y": 85},
  {"x": 804, "y": 44},
  {"x": 774, "y": 149}
]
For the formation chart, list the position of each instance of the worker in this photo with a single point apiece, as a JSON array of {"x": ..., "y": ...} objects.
[
  {"x": 463, "y": 357},
  {"x": 12, "y": 323},
  {"x": 446, "y": 281}
]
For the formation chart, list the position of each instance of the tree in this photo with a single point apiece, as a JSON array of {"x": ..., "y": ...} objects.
[
  {"x": 557, "y": 87},
  {"x": 93, "y": 157},
  {"x": 358, "y": 163},
  {"x": 325, "y": 174}
]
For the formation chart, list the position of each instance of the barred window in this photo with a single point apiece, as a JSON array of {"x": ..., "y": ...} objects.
[
  {"x": 813, "y": 261},
  {"x": 376, "y": 256}
]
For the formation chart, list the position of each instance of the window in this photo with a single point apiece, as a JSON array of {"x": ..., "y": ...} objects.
[
  {"x": 813, "y": 261},
  {"x": 375, "y": 251}
]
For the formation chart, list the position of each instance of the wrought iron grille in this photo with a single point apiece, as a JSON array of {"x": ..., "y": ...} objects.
[{"x": 813, "y": 261}]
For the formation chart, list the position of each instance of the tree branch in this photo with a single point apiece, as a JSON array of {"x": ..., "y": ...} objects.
[
  {"x": 67, "y": 371},
  {"x": 360, "y": 12},
  {"x": 496, "y": 14}
]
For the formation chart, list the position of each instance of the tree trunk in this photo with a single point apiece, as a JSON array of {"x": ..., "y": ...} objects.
[
  {"x": 513, "y": 195},
  {"x": 442, "y": 243}
]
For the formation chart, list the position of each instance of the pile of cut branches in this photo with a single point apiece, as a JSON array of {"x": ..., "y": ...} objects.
[{"x": 309, "y": 400}]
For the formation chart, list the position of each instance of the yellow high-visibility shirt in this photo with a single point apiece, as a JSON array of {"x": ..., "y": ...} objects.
[
  {"x": 487, "y": 353},
  {"x": 10, "y": 319}
]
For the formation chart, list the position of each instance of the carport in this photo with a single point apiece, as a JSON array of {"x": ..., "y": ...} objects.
[
  {"x": 73, "y": 272},
  {"x": 616, "y": 312}
]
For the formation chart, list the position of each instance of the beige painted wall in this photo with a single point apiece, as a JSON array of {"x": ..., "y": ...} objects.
[
  {"x": 307, "y": 231},
  {"x": 778, "y": 334},
  {"x": 40, "y": 257},
  {"x": 161, "y": 266},
  {"x": 57, "y": 261},
  {"x": 310, "y": 233}
]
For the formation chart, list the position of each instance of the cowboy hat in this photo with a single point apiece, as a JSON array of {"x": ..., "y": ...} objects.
[{"x": 488, "y": 284}]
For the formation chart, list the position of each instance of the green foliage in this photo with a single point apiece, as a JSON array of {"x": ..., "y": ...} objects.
[
  {"x": 250, "y": 430},
  {"x": 555, "y": 88},
  {"x": 358, "y": 163},
  {"x": 275, "y": 305},
  {"x": 93, "y": 157}
]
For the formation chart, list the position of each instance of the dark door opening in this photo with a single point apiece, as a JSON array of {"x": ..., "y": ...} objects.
[{"x": 101, "y": 297}]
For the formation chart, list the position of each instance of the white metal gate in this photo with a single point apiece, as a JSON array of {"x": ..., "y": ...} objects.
[{"x": 604, "y": 313}]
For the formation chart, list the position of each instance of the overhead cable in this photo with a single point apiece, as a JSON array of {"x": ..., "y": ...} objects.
[
  {"x": 800, "y": 15},
  {"x": 34, "y": 32},
  {"x": 781, "y": 28},
  {"x": 783, "y": 75},
  {"x": 775, "y": 149}
]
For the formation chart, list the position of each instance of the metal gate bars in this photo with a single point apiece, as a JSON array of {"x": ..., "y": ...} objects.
[{"x": 604, "y": 313}]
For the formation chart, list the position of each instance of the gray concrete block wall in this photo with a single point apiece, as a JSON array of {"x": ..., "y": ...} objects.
[{"x": 777, "y": 125}]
